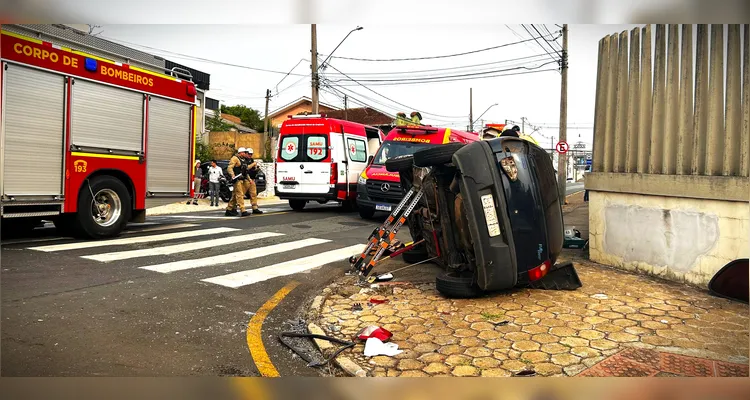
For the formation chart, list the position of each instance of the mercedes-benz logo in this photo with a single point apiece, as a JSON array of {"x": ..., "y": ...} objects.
[{"x": 385, "y": 187}]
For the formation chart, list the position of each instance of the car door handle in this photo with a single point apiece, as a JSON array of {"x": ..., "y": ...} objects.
[{"x": 308, "y": 172}]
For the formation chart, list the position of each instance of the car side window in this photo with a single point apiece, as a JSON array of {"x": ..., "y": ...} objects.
[{"x": 357, "y": 150}]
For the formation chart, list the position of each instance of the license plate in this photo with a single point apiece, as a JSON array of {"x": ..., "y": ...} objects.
[
  {"x": 383, "y": 207},
  {"x": 287, "y": 186}
]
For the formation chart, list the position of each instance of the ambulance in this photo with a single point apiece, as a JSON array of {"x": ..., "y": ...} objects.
[
  {"x": 319, "y": 159},
  {"x": 379, "y": 189}
]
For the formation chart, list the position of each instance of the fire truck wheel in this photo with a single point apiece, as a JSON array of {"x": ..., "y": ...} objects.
[
  {"x": 297, "y": 205},
  {"x": 106, "y": 213},
  {"x": 437, "y": 155},
  {"x": 457, "y": 285},
  {"x": 399, "y": 163}
]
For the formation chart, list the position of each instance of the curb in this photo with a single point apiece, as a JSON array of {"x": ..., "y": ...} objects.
[{"x": 343, "y": 362}]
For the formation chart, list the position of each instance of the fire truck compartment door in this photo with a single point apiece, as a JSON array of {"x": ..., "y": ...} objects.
[
  {"x": 168, "y": 153},
  {"x": 106, "y": 117},
  {"x": 32, "y": 123}
]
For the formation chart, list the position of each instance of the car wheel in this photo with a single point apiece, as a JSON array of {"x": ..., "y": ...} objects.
[
  {"x": 348, "y": 205},
  {"x": 297, "y": 205},
  {"x": 106, "y": 213},
  {"x": 437, "y": 155},
  {"x": 457, "y": 285},
  {"x": 415, "y": 255},
  {"x": 399, "y": 163},
  {"x": 366, "y": 212}
]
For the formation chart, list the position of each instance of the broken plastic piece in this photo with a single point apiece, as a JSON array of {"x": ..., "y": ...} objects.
[
  {"x": 356, "y": 307},
  {"x": 374, "y": 331},
  {"x": 375, "y": 347},
  {"x": 378, "y": 301},
  {"x": 384, "y": 277}
]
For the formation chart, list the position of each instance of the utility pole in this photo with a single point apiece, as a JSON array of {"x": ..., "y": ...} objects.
[
  {"x": 346, "y": 110},
  {"x": 471, "y": 116},
  {"x": 562, "y": 170},
  {"x": 315, "y": 83},
  {"x": 266, "y": 136}
]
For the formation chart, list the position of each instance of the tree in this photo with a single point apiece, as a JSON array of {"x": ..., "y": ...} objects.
[
  {"x": 216, "y": 124},
  {"x": 249, "y": 117}
]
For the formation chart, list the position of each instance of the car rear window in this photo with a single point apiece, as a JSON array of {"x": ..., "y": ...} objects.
[
  {"x": 289, "y": 148},
  {"x": 316, "y": 147}
]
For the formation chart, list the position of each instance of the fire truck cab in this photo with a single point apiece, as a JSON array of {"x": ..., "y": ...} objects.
[{"x": 84, "y": 140}]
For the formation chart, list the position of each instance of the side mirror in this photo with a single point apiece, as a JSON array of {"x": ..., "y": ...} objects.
[{"x": 370, "y": 159}]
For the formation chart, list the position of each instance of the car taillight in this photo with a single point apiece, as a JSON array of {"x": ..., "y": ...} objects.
[
  {"x": 334, "y": 173},
  {"x": 539, "y": 272}
]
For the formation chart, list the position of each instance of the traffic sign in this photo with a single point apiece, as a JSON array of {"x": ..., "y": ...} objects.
[{"x": 562, "y": 147}]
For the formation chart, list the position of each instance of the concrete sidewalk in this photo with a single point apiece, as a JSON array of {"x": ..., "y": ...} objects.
[
  {"x": 617, "y": 324},
  {"x": 204, "y": 205}
]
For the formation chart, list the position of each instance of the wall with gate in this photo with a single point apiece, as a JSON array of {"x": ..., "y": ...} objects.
[{"x": 669, "y": 189}]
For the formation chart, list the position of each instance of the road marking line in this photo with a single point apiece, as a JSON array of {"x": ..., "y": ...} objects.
[
  {"x": 179, "y": 248},
  {"x": 249, "y": 277},
  {"x": 131, "y": 240},
  {"x": 233, "y": 257},
  {"x": 160, "y": 228},
  {"x": 255, "y": 338}
]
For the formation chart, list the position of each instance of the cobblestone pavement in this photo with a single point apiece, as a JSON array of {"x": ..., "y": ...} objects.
[{"x": 554, "y": 333}]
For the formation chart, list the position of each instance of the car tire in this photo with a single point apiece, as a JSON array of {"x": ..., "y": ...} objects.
[
  {"x": 415, "y": 255},
  {"x": 457, "y": 285},
  {"x": 348, "y": 205},
  {"x": 366, "y": 212},
  {"x": 399, "y": 163},
  {"x": 118, "y": 199},
  {"x": 297, "y": 205},
  {"x": 437, "y": 155}
]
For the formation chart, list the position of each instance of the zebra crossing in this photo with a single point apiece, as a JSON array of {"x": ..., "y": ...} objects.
[{"x": 159, "y": 245}]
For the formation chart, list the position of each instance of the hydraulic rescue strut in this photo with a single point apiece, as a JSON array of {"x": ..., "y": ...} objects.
[{"x": 384, "y": 236}]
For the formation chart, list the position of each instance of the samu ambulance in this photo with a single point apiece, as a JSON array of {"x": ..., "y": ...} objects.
[
  {"x": 319, "y": 159},
  {"x": 379, "y": 189}
]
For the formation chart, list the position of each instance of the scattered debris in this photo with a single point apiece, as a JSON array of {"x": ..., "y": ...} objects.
[
  {"x": 374, "y": 331},
  {"x": 334, "y": 328},
  {"x": 525, "y": 373},
  {"x": 378, "y": 301},
  {"x": 664, "y": 321},
  {"x": 299, "y": 330},
  {"x": 249, "y": 313},
  {"x": 498, "y": 323},
  {"x": 357, "y": 307},
  {"x": 600, "y": 296},
  {"x": 376, "y": 347}
]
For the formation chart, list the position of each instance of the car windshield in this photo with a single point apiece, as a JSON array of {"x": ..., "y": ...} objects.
[{"x": 391, "y": 149}]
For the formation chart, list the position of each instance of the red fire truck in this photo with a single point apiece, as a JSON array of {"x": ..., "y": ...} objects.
[{"x": 85, "y": 140}]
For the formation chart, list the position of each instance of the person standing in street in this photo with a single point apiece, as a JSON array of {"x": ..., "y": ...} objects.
[
  {"x": 197, "y": 182},
  {"x": 252, "y": 174},
  {"x": 214, "y": 173},
  {"x": 237, "y": 170}
]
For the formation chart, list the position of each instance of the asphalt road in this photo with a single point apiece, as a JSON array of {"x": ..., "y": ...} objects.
[
  {"x": 65, "y": 315},
  {"x": 573, "y": 187}
]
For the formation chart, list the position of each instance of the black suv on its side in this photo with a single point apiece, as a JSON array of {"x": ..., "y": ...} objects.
[{"x": 489, "y": 214}]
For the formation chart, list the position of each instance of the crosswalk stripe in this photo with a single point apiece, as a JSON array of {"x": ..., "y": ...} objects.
[
  {"x": 159, "y": 228},
  {"x": 234, "y": 257},
  {"x": 179, "y": 248},
  {"x": 131, "y": 240},
  {"x": 244, "y": 278}
]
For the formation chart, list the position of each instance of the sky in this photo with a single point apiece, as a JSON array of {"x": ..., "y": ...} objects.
[{"x": 535, "y": 96}]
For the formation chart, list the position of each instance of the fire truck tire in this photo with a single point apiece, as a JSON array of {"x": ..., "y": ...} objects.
[
  {"x": 437, "y": 155},
  {"x": 457, "y": 285},
  {"x": 399, "y": 163},
  {"x": 297, "y": 205},
  {"x": 114, "y": 208}
]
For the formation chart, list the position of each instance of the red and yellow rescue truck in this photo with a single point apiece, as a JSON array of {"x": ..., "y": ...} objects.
[
  {"x": 379, "y": 189},
  {"x": 85, "y": 140}
]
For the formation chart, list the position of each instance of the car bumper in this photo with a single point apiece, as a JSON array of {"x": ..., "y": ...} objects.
[
  {"x": 336, "y": 193},
  {"x": 380, "y": 204}
]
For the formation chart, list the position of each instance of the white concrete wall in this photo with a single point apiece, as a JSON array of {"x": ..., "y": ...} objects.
[
  {"x": 680, "y": 239},
  {"x": 269, "y": 170}
]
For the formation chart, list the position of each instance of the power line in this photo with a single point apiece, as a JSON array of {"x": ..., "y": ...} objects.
[
  {"x": 189, "y": 57},
  {"x": 461, "y": 79},
  {"x": 558, "y": 46},
  {"x": 537, "y": 42},
  {"x": 391, "y": 100},
  {"x": 427, "y": 79},
  {"x": 431, "y": 57},
  {"x": 547, "y": 42}
]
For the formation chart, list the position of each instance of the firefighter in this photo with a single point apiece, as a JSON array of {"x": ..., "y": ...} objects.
[
  {"x": 416, "y": 118},
  {"x": 252, "y": 174},
  {"x": 237, "y": 170},
  {"x": 401, "y": 119}
]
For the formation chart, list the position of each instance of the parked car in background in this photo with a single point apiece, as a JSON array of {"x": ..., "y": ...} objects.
[{"x": 260, "y": 181}]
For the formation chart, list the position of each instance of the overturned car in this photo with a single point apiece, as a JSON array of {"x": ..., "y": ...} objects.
[{"x": 488, "y": 212}]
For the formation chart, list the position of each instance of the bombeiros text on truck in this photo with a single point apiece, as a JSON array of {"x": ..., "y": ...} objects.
[{"x": 85, "y": 140}]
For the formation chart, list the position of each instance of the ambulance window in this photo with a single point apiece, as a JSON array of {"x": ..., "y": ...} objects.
[
  {"x": 289, "y": 148},
  {"x": 357, "y": 151},
  {"x": 317, "y": 147}
]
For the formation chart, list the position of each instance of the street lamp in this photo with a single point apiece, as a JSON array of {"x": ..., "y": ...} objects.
[
  {"x": 322, "y": 65},
  {"x": 480, "y": 117}
]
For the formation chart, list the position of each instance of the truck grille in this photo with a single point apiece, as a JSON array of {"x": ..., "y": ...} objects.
[{"x": 375, "y": 191}]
